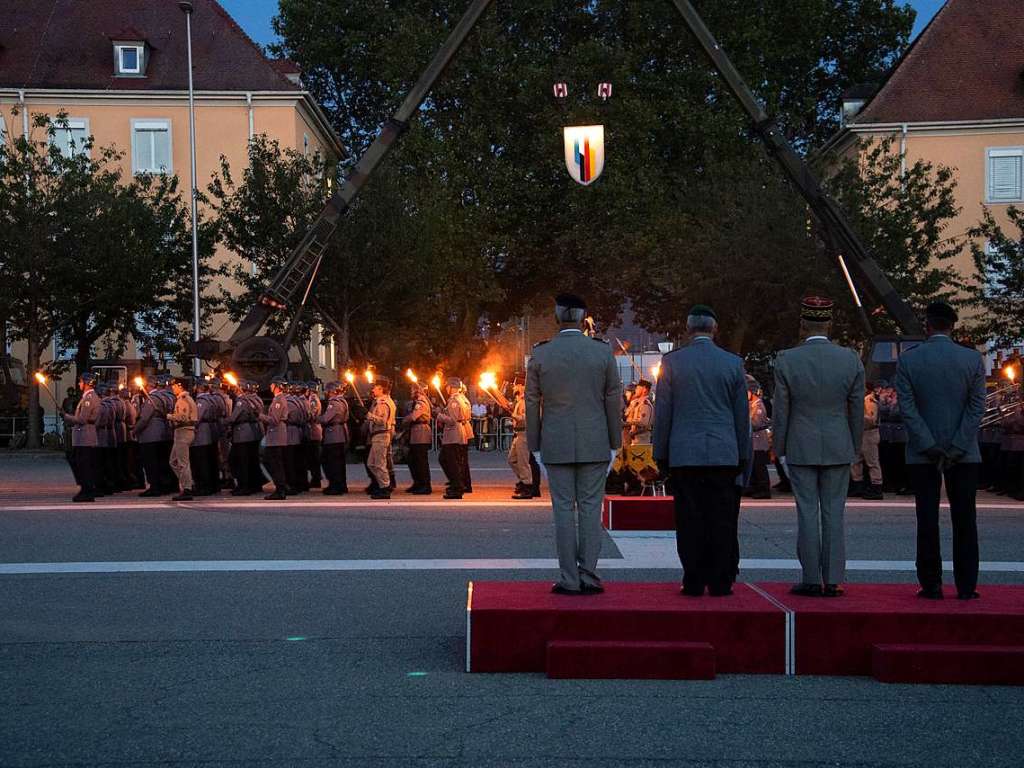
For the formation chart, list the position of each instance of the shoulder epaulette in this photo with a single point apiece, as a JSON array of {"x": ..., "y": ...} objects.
[
  {"x": 541, "y": 343},
  {"x": 601, "y": 339}
]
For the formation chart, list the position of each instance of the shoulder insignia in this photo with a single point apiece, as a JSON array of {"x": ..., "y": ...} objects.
[
  {"x": 600, "y": 339},
  {"x": 541, "y": 343}
]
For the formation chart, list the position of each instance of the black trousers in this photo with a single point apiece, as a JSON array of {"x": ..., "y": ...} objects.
[
  {"x": 989, "y": 465},
  {"x": 244, "y": 459},
  {"x": 205, "y": 470},
  {"x": 154, "y": 465},
  {"x": 169, "y": 479},
  {"x": 295, "y": 468},
  {"x": 467, "y": 479},
  {"x": 419, "y": 465},
  {"x": 759, "y": 480},
  {"x": 535, "y": 475},
  {"x": 276, "y": 458},
  {"x": 706, "y": 520},
  {"x": 86, "y": 469},
  {"x": 311, "y": 451},
  {"x": 961, "y": 489},
  {"x": 332, "y": 457},
  {"x": 451, "y": 463},
  {"x": 893, "y": 459}
]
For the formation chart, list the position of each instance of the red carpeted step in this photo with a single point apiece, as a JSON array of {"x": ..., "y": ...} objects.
[
  {"x": 630, "y": 660},
  {"x": 836, "y": 636},
  {"x": 510, "y": 623},
  {"x": 956, "y": 664},
  {"x": 638, "y": 513}
]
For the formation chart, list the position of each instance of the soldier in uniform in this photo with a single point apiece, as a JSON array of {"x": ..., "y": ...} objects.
[
  {"x": 868, "y": 454},
  {"x": 892, "y": 441},
  {"x": 314, "y": 434},
  {"x": 334, "y": 424},
  {"x": 83, "y": 438},
  {"x": 574, "y": 428},
  {"x": 183, "y": 421},
  {"x": 638, "y": 424},
  {"x": 132, "y": 457},
  {"x": 298, "y": 421},
  {"x": 420, "y": 438},
  {"x": 205, "y": 464},
  {"x": 244, "y": 422},
  {"x": 164, "y": 402},
  {"x": 519, "y": 451},
  {"x": 452, "y": 418},
  {"x": 119, "y": 432},
  {"x": 223, "y": 433},
  {"x": 151, "y": 430},
  {"x": 381, "y": 425},
  {"x": 467, "y": 427},
  {"x": 759, "y": 483},
  {"x": 105, "y": 442},
  {"x": 276, "y": 422}
]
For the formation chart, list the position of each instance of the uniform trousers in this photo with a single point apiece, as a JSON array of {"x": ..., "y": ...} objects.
[
  {"x": 86, "y": 468},
  {"x": 961, "y": 489},
  {"x": 377, "y": 463},
  {"x": 332, "y": 456},
  {"x": 169, "y": 479},
  {"x": 820, "y": 494},
  {"x": 312, "y": 454},
  {"x": 577, "y": 491},
  {"x": 706, "y": 518},
  {"x": 295, "y": 468},
  {"x": 759, "y": 480},
  {"x": 535, "y": 474},
  {"x": 204, "y": 468},
  {"x": 868, "y": 457},
  {"x": 276, "y": 459},
  {"x": 451, "y": 463},
  {"x": 155, "y": 471},
  {"x": 419, "y": 465},
  {"x": 467, "y": 479},
  {"x": 180, "y": 460},
  {"x": 519, "y": 459},
  {"x": 241, "y": 460}
]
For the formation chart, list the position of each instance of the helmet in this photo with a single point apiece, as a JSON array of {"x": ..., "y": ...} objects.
[{"x": 88, "y": 377}]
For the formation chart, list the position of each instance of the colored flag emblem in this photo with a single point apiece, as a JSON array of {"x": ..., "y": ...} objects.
[{"x": 584, "y": 152}]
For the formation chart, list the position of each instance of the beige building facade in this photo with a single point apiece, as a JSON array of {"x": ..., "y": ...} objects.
[{"x": 128, "y": 89}]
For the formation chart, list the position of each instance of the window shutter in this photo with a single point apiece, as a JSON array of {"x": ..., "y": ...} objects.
[{"x": 1005, "y": 178}]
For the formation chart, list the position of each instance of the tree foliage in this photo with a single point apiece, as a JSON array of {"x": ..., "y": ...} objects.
[{"x": 998, "y": 288}]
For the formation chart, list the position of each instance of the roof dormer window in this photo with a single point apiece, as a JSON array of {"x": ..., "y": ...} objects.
[{"x": 130, "y": 59}]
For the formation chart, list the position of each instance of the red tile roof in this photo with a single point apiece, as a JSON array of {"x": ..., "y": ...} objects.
[
  {"x": 67, "y": 44},
  {"x": 966, "y": 65}
]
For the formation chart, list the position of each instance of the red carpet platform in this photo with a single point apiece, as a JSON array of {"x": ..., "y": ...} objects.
[
  {"x": 510, "y": 626},
  {"x": 638, "y": 513},
  {"x": 630, "y": 660},
  {"x": 837, "y": 636},
  {"x": 963, "y": 664}
]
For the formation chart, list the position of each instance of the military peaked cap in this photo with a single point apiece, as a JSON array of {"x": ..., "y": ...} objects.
[{"x": 817, "y": 309}]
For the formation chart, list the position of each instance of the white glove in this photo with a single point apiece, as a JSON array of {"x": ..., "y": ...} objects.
[
  {"x": 543, "y": 469},
  {"x": 614, "y": 455}
]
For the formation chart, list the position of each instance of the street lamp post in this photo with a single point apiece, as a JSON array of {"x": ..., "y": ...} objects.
[{"x": 187, "y": 9}]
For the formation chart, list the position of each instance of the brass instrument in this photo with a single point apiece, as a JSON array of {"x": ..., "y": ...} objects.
[{"x": 1001, "y": 403}]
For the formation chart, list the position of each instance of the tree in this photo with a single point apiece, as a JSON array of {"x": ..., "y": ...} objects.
[
  {"x": 903, "y": 216},
  {"x": 998, "y": 286}
]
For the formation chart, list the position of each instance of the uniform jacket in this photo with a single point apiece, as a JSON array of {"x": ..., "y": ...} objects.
[
  {"x": 166, "y": 400},
  {"x": 701, "y": 414},
  {"x": 419, "y": 420},
  {"x": 381, "y": 418},
  {"x": 151, "y": 426},
  {"x": 759, "y": 425},
  {"x": 184, "y": 417},
  {"x": 208, "y": 405},
  {"x": 640, "y": 420},
  {"x": 819, "y": 404},
  {"x": 131, "y": 415},
  {"x": 467, "y": 425},
  {"x": 87, "y": 412},
  {"x": 316, "y": 432},
  {"x": 276, "y": 419},
  {"x": 105, "y": 424},
  {"x": 573, "y": 400},
  {"x": 941, "y": 389},
  {"x": 870, "y": 412},
  {"x": 519, "y": 414},
  {"x": 335, "y": 421},
  {"x": 120, "y": 430},
  {"x": 297, "y": 419},
  {"x": 453, "y": 418},
  {"x": 245, "y": 419}
]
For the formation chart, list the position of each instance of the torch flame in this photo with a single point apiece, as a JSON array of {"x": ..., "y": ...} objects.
[
  {"x": 1009, "y": 370},
  {"x": 40, "y": 378},
  {"x": 488, "y": 380},
  {"x": 656, "y": 371},
  {"x": 369, "y": 375},
  {"x": 436, "y": 381},
  {"x": 231, "y": 379},
  {"x": 411, "y": 375},
  {"x": 350, "y": 377},
  {"x": 139, "y": 382}
]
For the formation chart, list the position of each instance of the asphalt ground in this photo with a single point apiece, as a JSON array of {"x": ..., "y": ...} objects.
[{"x": 340, "y": 640}]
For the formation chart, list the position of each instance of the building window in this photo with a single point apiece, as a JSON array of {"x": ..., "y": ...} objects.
[
  {"x": 70, "y": 135},
  {"x": 321, "y": 348},
  {"x": 305, "y": 144},
  {"x": 151, "y": 146},
  {"x": 1004, "y": 175},
  {"x": 334, "y": 355},
  {"x": 129, "y": 59}
]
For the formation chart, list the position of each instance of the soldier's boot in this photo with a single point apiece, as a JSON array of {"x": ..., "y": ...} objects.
[
  {"x": 185, "y": 495},
  {"x": 873, "y": 492}
]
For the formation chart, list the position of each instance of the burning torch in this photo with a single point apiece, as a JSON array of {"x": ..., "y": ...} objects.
[
  {"x": 436, "y": 381},
  {"x": 140, "y": 384},
  {"x": 42, "y": 381},
  {"x": 231, "y": 379},
  {"x": 488, "y": 383},
  {"x": 351, "y": 379}
]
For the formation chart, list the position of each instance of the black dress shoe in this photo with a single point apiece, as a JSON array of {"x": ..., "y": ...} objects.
[
  {"x": 930, "y": 593},
  {"x": 450, "y": 495},
  {"x": 423, "y": 492},
  {"x": 149, "y": 494},
  {"x": 591, "y": 589},
  {"x": 524, "y": 494},
  {"x": 82, "y": 497},
  {"x": 558, "y": 589},
  {"x": 806, "y": 590},
  {"x": 185, "y": 495},
  {"x": 967, "y": 596},
  {"x": 383, "y": 493},
  {"x": 691, "y": 591},
  {"x": 328, "y": 491},
  {"x": 275, "y": 496},
  {"x": 833, "y": 590}
]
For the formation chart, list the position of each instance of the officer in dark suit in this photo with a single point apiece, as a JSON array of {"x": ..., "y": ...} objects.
[
  {"x": 941, "y": 389},
  {"x": 702, "y": 437}
]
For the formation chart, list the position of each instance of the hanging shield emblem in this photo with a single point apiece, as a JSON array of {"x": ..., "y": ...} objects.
[{"x": 584, "y": 152}]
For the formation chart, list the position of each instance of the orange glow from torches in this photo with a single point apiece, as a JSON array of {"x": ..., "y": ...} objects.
[
  {"x": 488, "y": 381},
  {"x": 369, "y": 375},
  {"x": 231, "y": 379},
  {"x": 1009, "y": 371},
  {"x": 411, "y": 376},
  {"x": 40, "y": 378},
  {"x": 436, "y": 381},
  {"x": 656, "y": 371},
  {"x": 350, "y": 377},
  {"x": 139, "y": 382}
]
